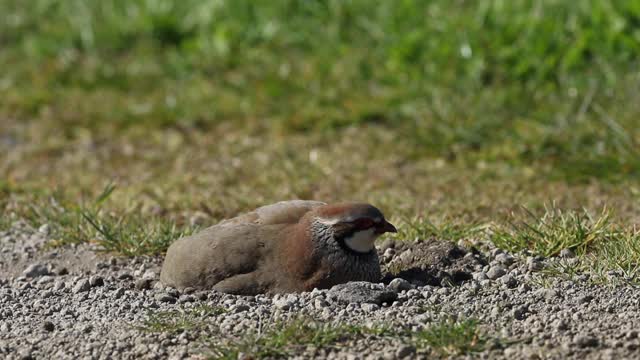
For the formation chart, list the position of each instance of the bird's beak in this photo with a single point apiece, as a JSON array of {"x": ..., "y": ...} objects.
[{"x": 386, "y": 227}]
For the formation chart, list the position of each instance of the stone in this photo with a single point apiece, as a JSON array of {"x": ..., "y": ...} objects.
[
  {"x": 367, "y": 307},
  {"x": 48, "y": 326},
  {"x": 479, "y": 276},
  {"x": 46, "y": 279},
  {"x": 496, "y": 272},
  {"x": 520, "y": 312},
  {"x": 118, "y": 293},
  {"x": 173, "y": 292},
  {"x": 125, "y": 276},
  {"x": 363, "y": 292},
  {"x": 36, "y": 270},
  {"x": 567, "y": 254},
  {"x": 524, "y": 287},
  {"x": 509, "y": 281},
  {"x": 149, "y": 274},
  {"x": 166, "y": 298},
  {"x": 240, "y": 308},
  {"x": 96, "y": 281},
  {"x": 561, "y": 325},
  {"x": 158, "y": 286},
  {"x": 548, "y": 294},
  {"x": 144, "y": 283},
  {"x": 81, "y": 285},
  {"x": 283, "y": 303},
  {"x": 186, "y": 299},
  {"x": 44, "y": 229},
  {"x": 320, "y": 304},
  {"x": 534, "y": 265},
  {"x": 405, "y": 351},
  {"x": 584, "y": 341},
  {"x": 585, "y": 299},
  {"x": 504, "y": 259},
  {"x": 399, "y": 285}
]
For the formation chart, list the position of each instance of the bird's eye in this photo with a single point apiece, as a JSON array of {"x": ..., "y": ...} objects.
[{"x": 363, "y": 223}]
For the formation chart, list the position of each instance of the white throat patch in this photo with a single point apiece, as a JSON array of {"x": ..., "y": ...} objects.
[{"x": 362, "y": 241}]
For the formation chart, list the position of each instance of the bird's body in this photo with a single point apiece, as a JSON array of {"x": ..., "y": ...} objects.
[{"x": 289, "y": 246}]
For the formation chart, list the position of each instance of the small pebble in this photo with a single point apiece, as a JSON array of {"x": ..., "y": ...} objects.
[
  {"x": 367, "y": 307},
  {"x": 35, "y": 270},
  {"x": 561, "y": 325},
  {"x": 585, "y": 299},
  {"x": 49, "y": 326},
  {"x": 173, "y": 292},
  {"x": 282, "y": 304},
  {"x": 81, "y": 285},
  {"x": 567, "y": 254},
  {"x": 58, "y": 285},
  {"x": 118, "y": 293},
  {"x": 405, "y": 351},
  {"x": 504, "y": 259},
  {"x": 479, "y": 276},
  {"x": 534, "y": 265},
  {"x": 96, "y": 281},
  {"x": 399, "y": 284},
  {"x": 585, "y": 341},
  {"x": 496, "y": 272},
  {"x": 520, "y": 312},
  {"x": 125, "y": 276},
  {"x": 44, "y": 229},
  {"x": 509, "y": 281},
  {"x": 144, "y": 283},
  {"x": 166, "y": 298},
  {"x": 186, "y": 299}
]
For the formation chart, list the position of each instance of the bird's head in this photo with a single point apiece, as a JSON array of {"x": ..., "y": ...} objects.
[{"x": 355, "y": 226}]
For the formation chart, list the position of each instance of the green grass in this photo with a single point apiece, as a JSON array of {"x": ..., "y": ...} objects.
[
  {"x": 601, "y": 244},
  {"x": 131, "y": 234},
  {"x": 555, "y": 230},
  {"x": 451, "y": 338},
  {"x": 283, "y": 340},
  {"x": 621, "y": 255},
  {"x": 612, "y": 262},
  {"x": 178, "y": 321},
  {"x": 128, "y": 233}
]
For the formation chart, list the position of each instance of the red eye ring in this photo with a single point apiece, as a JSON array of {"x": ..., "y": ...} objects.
[{"x": 364, "y": 223}]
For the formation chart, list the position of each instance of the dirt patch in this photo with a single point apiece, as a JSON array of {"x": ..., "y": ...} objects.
[
  {"x": 22, "y": 247},
  {"x": 429, "y": 262}
]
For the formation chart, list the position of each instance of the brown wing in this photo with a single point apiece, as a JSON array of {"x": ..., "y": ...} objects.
[{"x": 283, "y": 212}]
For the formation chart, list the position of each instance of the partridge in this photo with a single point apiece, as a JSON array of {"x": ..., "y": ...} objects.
[{"x": 289, "y": 246}]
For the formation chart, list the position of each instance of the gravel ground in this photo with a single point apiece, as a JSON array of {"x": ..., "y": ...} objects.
[{"x": 74, "y": 303}]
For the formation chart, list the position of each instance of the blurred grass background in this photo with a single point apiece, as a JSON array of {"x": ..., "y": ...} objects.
[
  {"x": 514, "y": 81},
  {"x": 461, "y": 108}
]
